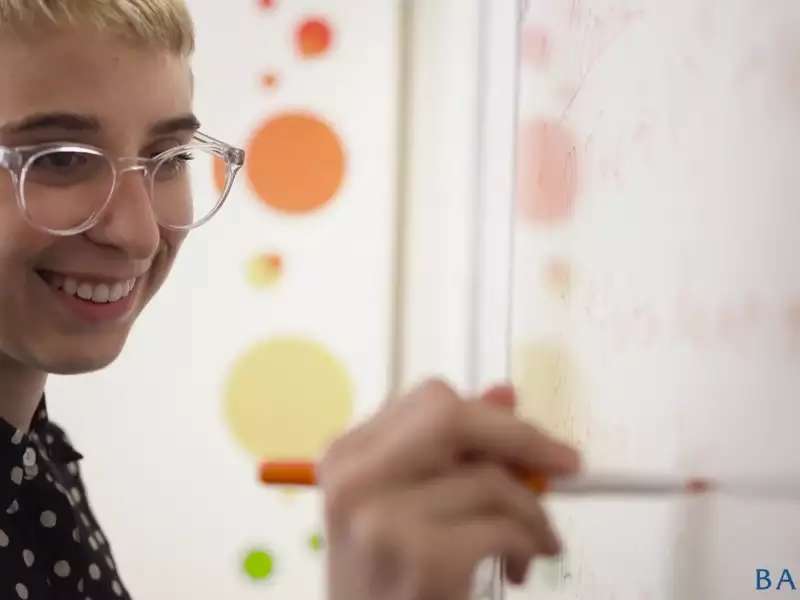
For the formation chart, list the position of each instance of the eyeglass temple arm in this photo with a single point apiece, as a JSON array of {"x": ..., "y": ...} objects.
[{"x": 234, "y": 155}]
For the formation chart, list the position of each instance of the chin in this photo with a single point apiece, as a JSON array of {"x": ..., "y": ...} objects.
[
  {"x": 82, "y": 358},
  {"x": 76, "y": 365}
]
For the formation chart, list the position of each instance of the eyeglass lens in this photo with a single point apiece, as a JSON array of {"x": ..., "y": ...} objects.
[{"x": 65, "y": 189}]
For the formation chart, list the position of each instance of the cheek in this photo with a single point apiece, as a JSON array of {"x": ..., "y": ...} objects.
[
  {"x": 171, "y": 242},
  {"x": 21, "y": 246}
]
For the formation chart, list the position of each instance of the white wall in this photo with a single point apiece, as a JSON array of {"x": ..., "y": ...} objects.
[{"x": 174, "y": 488}]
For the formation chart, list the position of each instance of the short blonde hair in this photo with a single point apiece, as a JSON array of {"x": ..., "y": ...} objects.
[{"x": 166, "y": 23}]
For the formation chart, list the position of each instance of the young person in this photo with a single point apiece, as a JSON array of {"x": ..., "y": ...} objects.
[{"x": 97, "y": 135}]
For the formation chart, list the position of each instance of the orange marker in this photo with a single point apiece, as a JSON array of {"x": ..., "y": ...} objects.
[{"x": 304, "y": 474}]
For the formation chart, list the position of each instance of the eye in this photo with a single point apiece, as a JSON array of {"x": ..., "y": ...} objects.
[
  {"x": 65, "y": 167},
  {"x": 173, "y": 166},
  {"x": 62, "y": 161}
]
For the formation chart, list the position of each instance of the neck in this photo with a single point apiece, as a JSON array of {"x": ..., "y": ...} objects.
[{"x": 21, "y": 389}]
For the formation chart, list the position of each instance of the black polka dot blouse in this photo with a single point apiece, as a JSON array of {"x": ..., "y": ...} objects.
[{"x": 51, "y": 547}]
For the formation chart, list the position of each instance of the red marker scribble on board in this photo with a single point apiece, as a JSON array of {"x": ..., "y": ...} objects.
[
  {"x": 548, "y": 171},
  {"x": 535, "y": 46},
  {"x": 314, "y": 37}
]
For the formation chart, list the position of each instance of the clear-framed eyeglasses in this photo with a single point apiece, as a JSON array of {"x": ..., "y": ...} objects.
[{"x": 63, "y": 188}]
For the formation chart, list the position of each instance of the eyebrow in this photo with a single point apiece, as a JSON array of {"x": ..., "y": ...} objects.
[
  {"x": 90, "y": 124},
  {"x": 186, "y": 122},
  {"x": 66, "y": 121}
]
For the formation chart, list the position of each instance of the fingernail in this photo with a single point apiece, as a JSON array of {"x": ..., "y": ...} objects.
[{"x": 500, "y": 395}]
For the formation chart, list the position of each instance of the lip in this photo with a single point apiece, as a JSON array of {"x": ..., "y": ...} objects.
[
  {"x": 90, "y": 312},
  {"x": 94, "y": 277}
]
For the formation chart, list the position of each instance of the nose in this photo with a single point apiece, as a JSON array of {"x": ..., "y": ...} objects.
[{"x": 128, "y": 222}]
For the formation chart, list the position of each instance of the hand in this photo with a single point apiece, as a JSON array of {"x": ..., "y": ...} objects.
[{"x": 417, "y": 496}]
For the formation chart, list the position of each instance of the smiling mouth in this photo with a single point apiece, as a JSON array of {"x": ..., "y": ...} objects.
[{"x": 104, "y": 292}]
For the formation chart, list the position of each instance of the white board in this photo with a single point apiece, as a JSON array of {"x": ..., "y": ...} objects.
[{"x": 657, "y": 286}]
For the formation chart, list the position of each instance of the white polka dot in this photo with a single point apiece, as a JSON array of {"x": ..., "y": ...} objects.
[
  {"x": 110, "y": 563},
  {"x": 76, "y": 535},
  {"x": 28, "y": 557},
  {"x": 62, "y": 569},
  {"x": 16, "y": 475},
  {"x": 49, "y": 438},
  {"x": 31, "y": 472},
  {"x": 76, "y": 494},
  {"x": 3, "y": 539},
  {"x": 48, "y": 477},
  {"x": 13, "y": 508},
  {"x": 48, "y": 519},
  {"x": 22, "y": 591},
  {"x": 85, "y": 519},
  {"x": 92, "y": 543},
  {"x": 80, "y": 585},
  {"x": 117, "y": 588},
  {"x": 16, "y": 439},
  {"x": 94, "y": 571},
  {"x": 72, "y": 468},
  {"x": 29, "y": 458},
  {"x": 100, "y": 537},
  {"x": 44, "y": 455}
]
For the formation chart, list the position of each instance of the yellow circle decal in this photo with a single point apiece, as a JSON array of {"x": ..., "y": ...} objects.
[{"x": 288, "y": 398}]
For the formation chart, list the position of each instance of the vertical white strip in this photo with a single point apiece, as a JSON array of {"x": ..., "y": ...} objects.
[
  {"x": 440, "y": 191},
  {"x": 490, "y": 332},
  {"x": 499, "y": 77}
]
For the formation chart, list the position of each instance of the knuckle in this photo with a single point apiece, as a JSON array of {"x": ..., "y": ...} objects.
[
  {"x": 519, "y": 541},
  {"x": 332, "y": 456},
  {"x": 436, "y": 387},
  {"x": 494, "y": 478},
  {"x": 371, "y": 530},
  {"x": 424, "y": 568},
  {"x": 337, "y": 503},
  {"x": 445, "y": 412},
  {"x": 496, "y": 485}
]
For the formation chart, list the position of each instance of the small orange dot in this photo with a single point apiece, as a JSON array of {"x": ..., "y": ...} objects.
[
  {"x": 266, "y": 3},
  {"x": 558, "y": 277},
  {"x": 274, "y": 261},
  {"x": 265, "y": 270},
  {"x": 270, "y": 80},
  {"x": 314, "y": 37},
  {"x": 296, "y": 163}
]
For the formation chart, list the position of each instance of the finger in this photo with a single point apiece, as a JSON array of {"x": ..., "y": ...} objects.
[
  {"x": 397, "y": 415},
  {"x": 474, "y": 541},
  {"x": 516, "y": 570},
  {"x": 500, "y": 396},
  {"x": 431, "y": 435},
  {"x": 507, "y": 439},
  {"x": 481, "y": 490}
]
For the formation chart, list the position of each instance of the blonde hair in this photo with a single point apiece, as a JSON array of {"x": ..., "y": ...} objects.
[{"x": 165, "y": 23}]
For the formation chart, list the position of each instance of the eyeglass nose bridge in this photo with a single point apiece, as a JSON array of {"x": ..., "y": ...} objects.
[{"x": 125, "y": 165}]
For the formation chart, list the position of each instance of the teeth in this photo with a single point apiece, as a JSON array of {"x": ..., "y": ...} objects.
[
  {"x": 116, "y": 292},
  {"x": 100, "y": 293},
  {"x": 85, "y": 291},
  {"x": 70, "y": 286}
]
